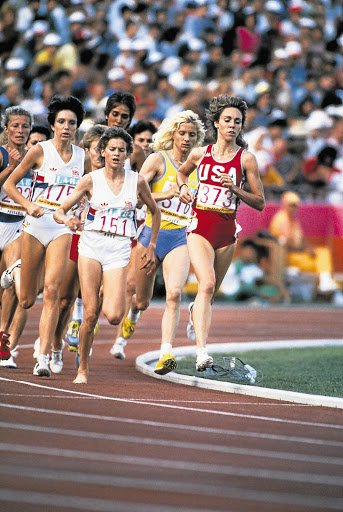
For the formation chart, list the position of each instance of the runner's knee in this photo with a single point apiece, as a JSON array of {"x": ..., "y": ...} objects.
[
  {"x": 207, "y": 287},
  {"x": 173, "y": 296}
]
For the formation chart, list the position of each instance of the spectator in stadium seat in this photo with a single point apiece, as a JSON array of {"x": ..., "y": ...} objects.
[{"x": 286, "y": 227}]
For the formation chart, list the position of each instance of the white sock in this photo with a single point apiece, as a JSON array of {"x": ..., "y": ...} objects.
[
  {"x": 78, "y": 309},
  {"x": 166, "y": 348},
  {"x": 133, "y": 317},
  {"x": 202, "y": 352},
  {"x": 121, "y": 341}
]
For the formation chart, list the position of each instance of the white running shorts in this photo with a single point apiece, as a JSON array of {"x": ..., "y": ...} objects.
[
  {"x": 10, "y": 231},
  {"x": 45, "y": 228},
  {"x": 109, "y": 250}
]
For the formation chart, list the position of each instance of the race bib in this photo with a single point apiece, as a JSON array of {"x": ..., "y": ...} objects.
[
  {"x": 192, "y": 224},
  {"x": 215, "y": 197},
  {"x": 116, "y": 221},
  {"x": 55, "y": 194},
  {"x": 58, "y": 179},
  {"x": 173, "y": 210},
  {"x": 7, "y": 205}
]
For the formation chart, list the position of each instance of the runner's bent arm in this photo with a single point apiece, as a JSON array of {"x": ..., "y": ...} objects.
[
  {"x": 13, "y": 160},
  {"x": 255, "y": 198},
  {"x": 148, "y": 256},
  {"x": 32, "y": 160},
  {"x": 84, "y": 186},
  {"x": 194, "y": 158},
  {"x": 152, "y": 169}
]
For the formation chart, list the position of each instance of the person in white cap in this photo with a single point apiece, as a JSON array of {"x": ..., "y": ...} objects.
[
  {"x": 117, "y": 81},
  {"x": 125, "y": 59},
  {"x": 51, "y": 43}
]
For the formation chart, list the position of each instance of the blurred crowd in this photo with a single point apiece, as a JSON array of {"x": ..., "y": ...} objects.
[{"x": 285, "y": 58}]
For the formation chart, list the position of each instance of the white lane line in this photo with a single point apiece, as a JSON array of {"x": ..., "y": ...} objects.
[
  {"x": 80, "y": 503},
  {"x": 185, "y": 445},
  {"x": 220, "y": 402},
  {"x": 40, "y": 499},
  {"x": 159, "y": 463},
  {"x": 180, "y": 408},
  {"x": 147, "y": 400},
  {"x": 48, "y": 396},
  {"x": 178, "y": 426}
]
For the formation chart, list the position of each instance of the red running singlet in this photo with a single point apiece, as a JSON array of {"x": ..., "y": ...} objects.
[{"x": 215, "y": 208}]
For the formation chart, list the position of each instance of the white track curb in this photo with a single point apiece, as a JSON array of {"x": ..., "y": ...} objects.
[{"x": 145, "y": 363}]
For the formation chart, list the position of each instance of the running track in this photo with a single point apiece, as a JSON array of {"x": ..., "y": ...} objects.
[{"x": 126, "y": 442}]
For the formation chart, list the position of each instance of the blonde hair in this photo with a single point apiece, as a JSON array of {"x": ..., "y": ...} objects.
[{"x": 163, "y": 138}]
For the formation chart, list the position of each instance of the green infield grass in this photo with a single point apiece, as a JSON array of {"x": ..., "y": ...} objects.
[{"x": 314, "y": 370}]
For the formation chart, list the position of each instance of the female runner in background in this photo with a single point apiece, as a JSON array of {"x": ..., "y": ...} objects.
[
  {"x": 172, "y": 144},
  {"x": 17, "y": 123}
]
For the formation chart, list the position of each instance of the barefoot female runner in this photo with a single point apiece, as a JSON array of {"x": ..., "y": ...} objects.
[{"x": 105, "y": 242}]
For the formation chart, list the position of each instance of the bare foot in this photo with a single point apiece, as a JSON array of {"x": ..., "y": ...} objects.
[{"x": 81, "y": 378}]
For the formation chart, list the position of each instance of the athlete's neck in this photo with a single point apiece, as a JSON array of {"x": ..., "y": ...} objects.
[
  {"x": 178, "y": 156},
  {"x": 222, "y": 151},
  {"x": 63, "y": 147}
]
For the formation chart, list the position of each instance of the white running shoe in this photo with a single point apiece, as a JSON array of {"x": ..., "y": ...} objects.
[
  {"x": 8, "y": 363},
  {"x": 203, "y": 361},
  {"x": 36, "y": 348},
  {"x": 56, "y": 361},
  {"x": 117, "y": 349},
  {"x": 190, "y": 326},
  {"x": 41, "y": 368},
  {"x": 326, "y": 283},
  {"x": 7, "y": 278}
]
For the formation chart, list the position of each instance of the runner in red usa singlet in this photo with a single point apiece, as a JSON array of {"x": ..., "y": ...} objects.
[
  {"x": 223, "y": 169},
  {"x": 214, "y": 212}
]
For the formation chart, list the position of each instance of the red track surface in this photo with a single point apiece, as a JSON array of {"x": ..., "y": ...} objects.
[{"x": 126, "y": 442}]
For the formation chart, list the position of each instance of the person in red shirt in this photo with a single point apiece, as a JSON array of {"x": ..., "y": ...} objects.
[
  {"x": 223, "y": 168},
  {"x": 318, "y": 171}
]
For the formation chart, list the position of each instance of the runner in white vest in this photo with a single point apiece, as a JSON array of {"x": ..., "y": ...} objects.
[
  {"x": 105, "y": 242},
  {"x": 58, "y": 164}
]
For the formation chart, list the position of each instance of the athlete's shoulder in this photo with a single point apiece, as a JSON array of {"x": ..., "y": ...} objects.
[
  {"x": 248, "y": 157},
  {"x": 197, "y": 154},
  {"x": 36, "y": 152},
  {"x": 154, "y": 159},
  {"x": 45, "y": 143},
  {"x": 78, "y": 149}
]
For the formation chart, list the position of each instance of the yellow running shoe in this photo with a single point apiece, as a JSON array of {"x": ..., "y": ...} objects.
[
  {"x": 166, "y": 364},
  {"x": 72, "y": 336},
  {"x": 128, "y": 328},
  {"x": 96, "y": 329}
]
